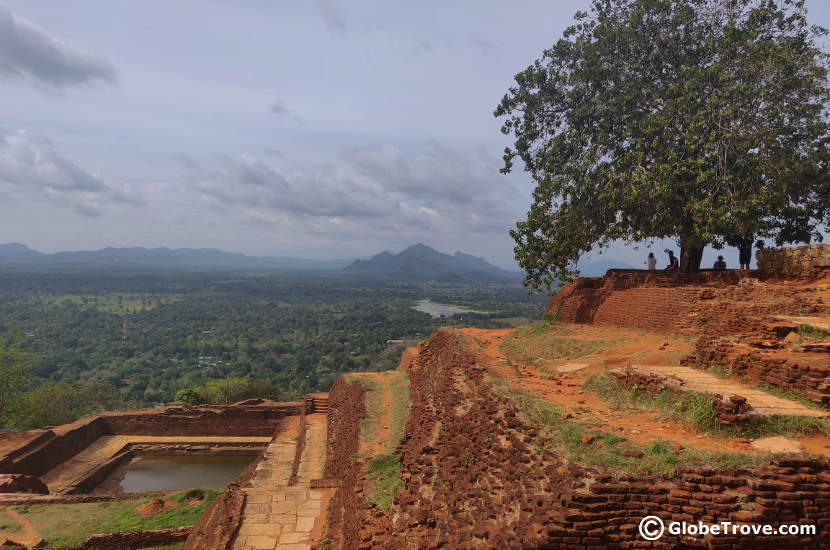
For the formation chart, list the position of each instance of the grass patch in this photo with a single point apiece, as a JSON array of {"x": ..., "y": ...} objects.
[
  {"x": 399, "y": 410},
  {"x": 548, "y": 342},
  {"x": 8, "y": 524},
  {"x": 792, "y": 396},
  {"x": 813, "y": 332},
  {"x": 719, "y": 370},
  {"x": 697, "y": 411},
  {"x": 384, "y": 476},
  {"x": 68, "y": 524},
  {"x": 608, "y": 450}
]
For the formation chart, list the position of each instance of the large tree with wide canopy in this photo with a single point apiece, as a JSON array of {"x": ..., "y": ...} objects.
[{"x": 703, "y": 121}]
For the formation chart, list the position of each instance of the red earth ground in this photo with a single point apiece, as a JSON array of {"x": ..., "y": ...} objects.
[{"x": 566, "y": 389}]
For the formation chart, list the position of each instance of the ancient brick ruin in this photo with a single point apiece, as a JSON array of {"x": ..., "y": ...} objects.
[{"x": 802, "y": 261}]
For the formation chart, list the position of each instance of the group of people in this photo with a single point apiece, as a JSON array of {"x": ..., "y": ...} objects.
[{"x": 744, "y": 257}]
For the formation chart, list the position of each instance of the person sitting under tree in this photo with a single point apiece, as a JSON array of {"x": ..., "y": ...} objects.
[
  {"x": 720, "y": 265},
  {"x": 674, "y": 265},
  {"x": 651, "y": 262}
]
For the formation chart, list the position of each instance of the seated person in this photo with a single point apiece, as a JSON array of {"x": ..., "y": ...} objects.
[
  {"x": 720, "y": 265},
  {"x": 674, "y": 265}
]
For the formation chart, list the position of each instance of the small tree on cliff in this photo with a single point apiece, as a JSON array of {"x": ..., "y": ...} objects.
[
  {"x": 13, "y": 365},
  {"x": 696, "y": 120}
]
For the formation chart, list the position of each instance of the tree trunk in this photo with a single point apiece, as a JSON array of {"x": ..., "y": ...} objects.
[{"x": 690, "y": 256}]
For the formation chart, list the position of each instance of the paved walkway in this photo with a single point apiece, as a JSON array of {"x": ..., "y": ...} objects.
[
  {"x": 105, "y": 447},
  {"x": 761, "y": 401},
  {"x": 280, "y": 517}
]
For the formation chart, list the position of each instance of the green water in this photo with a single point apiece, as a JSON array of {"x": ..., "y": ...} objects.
[{"x": 170, "y": 473}]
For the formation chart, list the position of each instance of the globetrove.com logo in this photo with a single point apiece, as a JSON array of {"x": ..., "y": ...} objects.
[{"x": 653, "y": 528}]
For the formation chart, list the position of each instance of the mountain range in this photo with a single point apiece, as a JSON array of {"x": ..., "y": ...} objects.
[
  {"x": 419, "y": 262},
  {"x": 20, "y": 255}
]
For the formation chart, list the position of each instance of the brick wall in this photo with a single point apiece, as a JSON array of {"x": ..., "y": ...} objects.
[
  {"x": 806, "y": 373},
  {"x": 801, "y": 261},
  {"x": 705, "y": 303},
  {"x": 477, "y": 476},
  {"x": 791, "y": 490},
  {"x": 730, "y": 410},
  {"x": 480, "y": 484},
  {"x": 132, "y": 539},
  {"x": 48, "y": 451},
  {"x": 342, "y": 470}
]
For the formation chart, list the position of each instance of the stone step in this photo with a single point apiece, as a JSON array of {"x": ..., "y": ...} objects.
[{"x": 316, "y": 403}]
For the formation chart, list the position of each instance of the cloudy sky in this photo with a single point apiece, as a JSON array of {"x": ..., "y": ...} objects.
[{"x": 320, "y": 128}]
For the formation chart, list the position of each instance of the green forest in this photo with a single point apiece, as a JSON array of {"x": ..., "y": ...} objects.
[{"x": 77, "y": 343}]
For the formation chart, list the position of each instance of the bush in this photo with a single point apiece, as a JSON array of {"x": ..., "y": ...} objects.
[
  {"x": 190, "y": 396},
  {"x": 224, "y": 391},
  {"x": 60, "y": 403}
]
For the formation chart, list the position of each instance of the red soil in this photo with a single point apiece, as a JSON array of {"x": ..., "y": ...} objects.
[
  {"x": 155, "y": 506},
  {"x": 642, "y": 427}
]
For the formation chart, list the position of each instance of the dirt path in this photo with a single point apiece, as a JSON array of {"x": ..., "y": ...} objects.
[
  {"x": 380, "y": 443},
  {"x": 565, "y": 389},
  {"x": 28, "y": 537}
]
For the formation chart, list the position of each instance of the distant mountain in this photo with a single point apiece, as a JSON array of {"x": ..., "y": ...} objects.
[
  {"x": 596, "y": 267},
  {"x": 420, "y": 262},
  {"x": 20, "y": 255}
]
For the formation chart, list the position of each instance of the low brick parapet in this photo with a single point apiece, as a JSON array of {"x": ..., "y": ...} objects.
[{"x": 811, "y": 260}]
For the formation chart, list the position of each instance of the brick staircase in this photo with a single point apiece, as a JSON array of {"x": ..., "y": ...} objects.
[{"x": 316, "y": 403}]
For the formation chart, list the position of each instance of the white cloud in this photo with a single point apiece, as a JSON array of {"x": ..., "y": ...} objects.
[
  {"x": 30, "y": 53},
  {"x": 362, "y": 193},
  {"x": 31, "y": 168}
]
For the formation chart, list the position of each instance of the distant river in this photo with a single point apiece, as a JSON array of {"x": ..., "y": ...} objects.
[{"x": 442, "y": 310}]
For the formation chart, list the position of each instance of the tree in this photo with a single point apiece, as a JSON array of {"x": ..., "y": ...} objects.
[
  {"x": 689, "y": 119},
  {"x": 59, "y": 403},
  {"x": 13, "y": 363}
]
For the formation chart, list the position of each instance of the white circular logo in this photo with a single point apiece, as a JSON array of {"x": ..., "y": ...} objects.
[{"x": 651, "y": 528}]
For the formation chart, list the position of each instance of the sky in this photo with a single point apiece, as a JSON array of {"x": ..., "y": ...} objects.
[{"x": 317, "y": 129}]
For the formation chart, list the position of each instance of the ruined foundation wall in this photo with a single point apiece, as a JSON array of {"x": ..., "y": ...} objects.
[
  {"x": 131, "y": 539},
  {"x": 346, "y": 410},
  {"x": 300, "y": 447},
  {"x": 477, "y": 476},
  {"x": 805, "y": 373},
  {"x": 801, "y": 261},
  {"x": 55, "y": 449},
  {"x": 60, "y": 444},
  {"x": 242, "y": 421}
]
